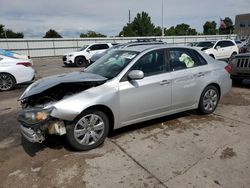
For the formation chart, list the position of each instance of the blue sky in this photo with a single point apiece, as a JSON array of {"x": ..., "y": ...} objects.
[{"x": 70, "y": 18}]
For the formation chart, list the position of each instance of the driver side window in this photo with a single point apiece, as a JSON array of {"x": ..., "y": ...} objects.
[{"x": 151, "y": 63}]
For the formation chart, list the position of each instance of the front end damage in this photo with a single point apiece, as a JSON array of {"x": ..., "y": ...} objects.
[{"x": 38, "y": 103}]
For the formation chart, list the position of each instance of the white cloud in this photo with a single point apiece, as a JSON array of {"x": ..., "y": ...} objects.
[{"x": 110, "y": 16}]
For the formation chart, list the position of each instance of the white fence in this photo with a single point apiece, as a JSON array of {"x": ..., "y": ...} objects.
[{"x": 57, "y": 47}]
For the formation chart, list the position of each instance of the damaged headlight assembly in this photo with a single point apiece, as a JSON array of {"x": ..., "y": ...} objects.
[{"x": 34, "y": 116}]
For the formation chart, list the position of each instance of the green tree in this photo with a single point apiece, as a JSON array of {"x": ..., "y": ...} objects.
[
  {"x": 226, "y": 26},
  {"x": 8, "y": 33},
  {"x": 52, "y": 34},
  {"x": 91, "y": 34},
  {"x": 140, "y": 26},
  {"x": 209, "y": 28},
  {"x": 184, "y": 29},
  {"x": 170, "y": 31},
  {"x": 158, "y": 31}
]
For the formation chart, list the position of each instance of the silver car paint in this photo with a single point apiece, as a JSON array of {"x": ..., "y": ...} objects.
[{"x": 148, "y": 98}]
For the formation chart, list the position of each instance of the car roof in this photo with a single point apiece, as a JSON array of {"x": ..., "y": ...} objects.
[{"x": 141, "y": 48}]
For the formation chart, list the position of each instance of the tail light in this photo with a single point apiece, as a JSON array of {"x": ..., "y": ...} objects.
[
  {"x": 26, "y": 64},
  {"x": 228, "y": 68}
]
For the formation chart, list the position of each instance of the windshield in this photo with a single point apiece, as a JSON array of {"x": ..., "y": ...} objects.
[
  {"x": 83, "y": 48},
  {"x": 112, "y": 64},
  {"x": 207, "y": 44}
]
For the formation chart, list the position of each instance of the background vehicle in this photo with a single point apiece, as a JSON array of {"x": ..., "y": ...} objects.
[
  {"x": 81, "y": 58},
  {"x": 221, "y": 49},
  {"x": 245, "y": 48},
  {"x": 128, "y": 44},
  {"x": 14, "y": 71},
  {"x": 124, "y": 87},
  {"x": 240, "y": 67}
]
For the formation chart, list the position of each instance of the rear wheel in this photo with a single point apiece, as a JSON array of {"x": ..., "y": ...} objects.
[
  {"x": 81, "y": 62},
  {"x": 88, "y": 131},
  {"x": 209, "y": 100},
  {"x": 7, "y": 82}
]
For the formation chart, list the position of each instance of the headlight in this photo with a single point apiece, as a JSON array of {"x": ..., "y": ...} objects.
[{"x": 33, "y": 116}]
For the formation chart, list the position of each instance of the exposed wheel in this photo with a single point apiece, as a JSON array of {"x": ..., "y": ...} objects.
[
  {"x": 88, "y": 131},
  {"x": 7, "y": 82},
  {"x": 81, "y": 62},
  {"x": 209, "y": 100},
  {"x": 232, "y": 56}
]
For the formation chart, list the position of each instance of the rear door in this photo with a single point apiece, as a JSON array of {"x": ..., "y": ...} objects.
[{"x": 188, "y": 74}]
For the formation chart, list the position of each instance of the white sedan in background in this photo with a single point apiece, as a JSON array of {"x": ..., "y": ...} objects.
[{"x": 14, "y": 71}]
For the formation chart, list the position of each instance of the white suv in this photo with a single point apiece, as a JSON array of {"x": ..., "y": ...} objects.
[
  {"x": 221, "y": 49},
  {"x": 81, "y": 57}
]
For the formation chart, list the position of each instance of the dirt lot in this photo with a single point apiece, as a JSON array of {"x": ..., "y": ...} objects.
[{"x": 184, "y": 150}]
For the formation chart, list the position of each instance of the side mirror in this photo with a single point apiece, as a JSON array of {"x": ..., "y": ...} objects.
[
  {"x": 217, "y": 47},
  {"x": 135, "y": 75},
  {"x": 88, "y": 50}
]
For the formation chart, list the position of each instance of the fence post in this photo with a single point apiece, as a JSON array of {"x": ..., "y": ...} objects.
[
  {"x": 54, "y": 47},
  {"x": 28, "y": 48}
]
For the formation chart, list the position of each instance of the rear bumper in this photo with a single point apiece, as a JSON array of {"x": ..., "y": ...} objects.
[{"x": 31, "y": 135}]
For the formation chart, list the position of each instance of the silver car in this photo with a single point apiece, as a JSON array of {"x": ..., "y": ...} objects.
[{"x": 124, "y": 87}]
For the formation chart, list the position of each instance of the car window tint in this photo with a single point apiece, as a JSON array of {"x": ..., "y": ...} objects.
[
  {"x": 181, "y": 58},
  {"x": 99, "y": 47},
  {"x": 151, "y": 63},
  {"x": 224, "y": 44}
]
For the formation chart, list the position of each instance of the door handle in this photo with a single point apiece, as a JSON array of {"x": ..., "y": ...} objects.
[
  {"x": 200, "y": 74},
  {"x": 165, "y": 82}
]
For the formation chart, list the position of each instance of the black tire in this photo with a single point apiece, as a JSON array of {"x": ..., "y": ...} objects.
[
  {"x": 75, "y": 136},
  {"x": 237, "y": 81},
  {"x": 210, "y": 106},
  {"x": 7, "y": 82},
  {"x": 211, "y": 55},
  {"x": 81, "y": 62}
]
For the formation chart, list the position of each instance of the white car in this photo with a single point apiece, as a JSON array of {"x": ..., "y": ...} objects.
[
  {"x": 9, "y": 53},
  {"x": 14, "y": 71},
  {"x": 81, "y": 57},
  {"x": 221, "y": 49}
]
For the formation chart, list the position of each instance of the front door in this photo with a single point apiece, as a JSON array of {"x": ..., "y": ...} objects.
[{"x": 149, "y": 97}]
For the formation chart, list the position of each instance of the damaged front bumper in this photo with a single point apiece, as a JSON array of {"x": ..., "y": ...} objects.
[
  {"x": 31, "y": 135},
  {"x": 34, "y": 127}
]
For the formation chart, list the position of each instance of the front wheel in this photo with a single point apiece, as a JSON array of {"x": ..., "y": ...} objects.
[
  {"x": 7, "y": 82},
  {"x": 209, "y": 100},
  {"x": 81, "y": 62},
  {"x": 88, "y": 131}
]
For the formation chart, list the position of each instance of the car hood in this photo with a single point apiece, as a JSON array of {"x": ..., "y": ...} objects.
[{"x": 68, "y": 78}]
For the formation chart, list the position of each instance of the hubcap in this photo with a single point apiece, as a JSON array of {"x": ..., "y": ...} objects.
[
  {"x": 210, "y": 100},
  {"x": 89, "y": 129},
  {"x": 5, "y": 82}
]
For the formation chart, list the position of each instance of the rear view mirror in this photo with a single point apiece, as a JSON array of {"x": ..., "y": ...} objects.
[{"x": 135, "y": 75}]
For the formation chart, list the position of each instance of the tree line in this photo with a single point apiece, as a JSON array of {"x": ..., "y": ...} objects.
[{"x": 142, "y": 26}]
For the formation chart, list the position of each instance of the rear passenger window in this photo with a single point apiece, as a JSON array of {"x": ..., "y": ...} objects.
[
  {"x": 99, "y": 47},
  {"x": 181, "y": 58}
]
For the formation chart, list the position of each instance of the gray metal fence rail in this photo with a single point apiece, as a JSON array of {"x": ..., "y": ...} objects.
[{"x": 57, "y": 47}]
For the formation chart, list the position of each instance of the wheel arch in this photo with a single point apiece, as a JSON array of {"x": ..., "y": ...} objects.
[
  {"x": 9, "y": 74},
  {"x": 105, "y": 110},
  {"x": 215, "y": 85}
]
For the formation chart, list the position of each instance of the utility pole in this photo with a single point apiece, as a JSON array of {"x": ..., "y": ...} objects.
[
  {"x": 129, "y": 16},
  {"x": 162, "y": 27}
]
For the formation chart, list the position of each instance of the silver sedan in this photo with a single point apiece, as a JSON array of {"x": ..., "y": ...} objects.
[{"x": 124, "y": 87}]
